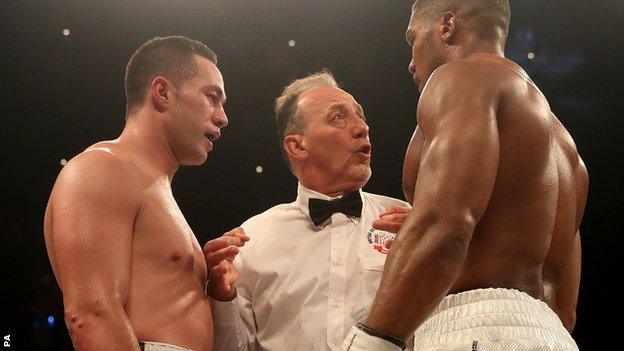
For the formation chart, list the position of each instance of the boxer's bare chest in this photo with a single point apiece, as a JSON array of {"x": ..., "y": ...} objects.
[
  {"x": 162, "y": 237},
  {"x": 411, "y": 164}
]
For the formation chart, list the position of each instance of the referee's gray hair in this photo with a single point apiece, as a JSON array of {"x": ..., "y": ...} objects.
[{"x": 287, "y": 114}]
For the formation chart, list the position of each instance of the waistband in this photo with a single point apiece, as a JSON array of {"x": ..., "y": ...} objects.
[
  {"x": 159, "y": 346},
  {"x": 492, "y": 314}
]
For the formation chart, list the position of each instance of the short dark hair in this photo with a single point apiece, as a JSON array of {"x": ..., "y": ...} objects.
[
  {"x": 491, "y": 17},
  {"x": 170, "y": 57},
  {"x": 287, "y": 114}
]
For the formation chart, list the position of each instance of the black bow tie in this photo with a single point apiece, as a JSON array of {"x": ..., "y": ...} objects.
[{"x": 321, "y": 210}]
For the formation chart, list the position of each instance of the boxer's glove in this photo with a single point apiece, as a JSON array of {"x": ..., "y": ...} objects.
[{"x": 363, "y": 338}]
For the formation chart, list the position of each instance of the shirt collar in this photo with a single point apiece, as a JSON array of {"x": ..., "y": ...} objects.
[{"x": 304, "y": 194}]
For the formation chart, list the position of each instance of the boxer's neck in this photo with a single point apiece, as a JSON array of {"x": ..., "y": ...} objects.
[{"x": 145, "y": 135}]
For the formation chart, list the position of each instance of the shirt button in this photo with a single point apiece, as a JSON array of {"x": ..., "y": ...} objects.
[
  {"x": 338, "y": 263},
  {"x": 335, "y": 304}
]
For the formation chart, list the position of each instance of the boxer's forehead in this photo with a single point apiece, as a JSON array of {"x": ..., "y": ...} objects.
[{"x": 415, "y": 25}]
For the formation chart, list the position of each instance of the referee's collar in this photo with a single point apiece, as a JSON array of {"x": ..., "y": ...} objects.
[{"x": 304, "y": 195}]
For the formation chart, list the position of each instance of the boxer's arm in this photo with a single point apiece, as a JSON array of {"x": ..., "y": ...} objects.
[
  {"x": 392, "y": 219},
  {"x": 567, "y": 295},
  {"x": 94, "y": 204},
  {"x": 457, "y": 114}
]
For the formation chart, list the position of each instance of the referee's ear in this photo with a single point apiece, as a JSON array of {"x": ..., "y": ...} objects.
[{"x": 294, "y": 148}]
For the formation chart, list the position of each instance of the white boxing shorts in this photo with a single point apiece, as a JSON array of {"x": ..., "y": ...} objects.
[
  {"x": 159, "y": 346},
  {"x": 493, "y": 320}
]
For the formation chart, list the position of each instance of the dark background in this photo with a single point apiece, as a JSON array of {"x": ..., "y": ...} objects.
[{"x": 59, "y": 94}]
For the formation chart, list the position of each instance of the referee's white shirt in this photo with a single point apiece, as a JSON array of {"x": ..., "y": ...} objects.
[{"x": 302, "y": 287}]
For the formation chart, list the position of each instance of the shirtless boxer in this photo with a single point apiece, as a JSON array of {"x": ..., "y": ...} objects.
[
  {"x": 128, "y": 264},
  {"x": 498, "y": 191}
]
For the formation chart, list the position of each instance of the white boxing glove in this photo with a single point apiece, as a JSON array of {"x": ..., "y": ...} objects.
[{"x": 362, "y": 338}]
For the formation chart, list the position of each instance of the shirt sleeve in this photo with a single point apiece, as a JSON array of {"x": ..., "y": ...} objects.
[
  {"x": 234, "y": 321},
  {"x": 234, "y": 324}
]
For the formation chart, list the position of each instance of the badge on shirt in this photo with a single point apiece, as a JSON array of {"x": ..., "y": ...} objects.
[{"x": 380, "y": 240}]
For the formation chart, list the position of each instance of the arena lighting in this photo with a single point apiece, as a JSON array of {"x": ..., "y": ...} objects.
[
  {"x": 259, "y": 169},
  {"x": 66, "y": 32},
  {"x": 531, "y": 55},
  {"x": 51, "y": 321},
  {"x": 291, "y": 43}
]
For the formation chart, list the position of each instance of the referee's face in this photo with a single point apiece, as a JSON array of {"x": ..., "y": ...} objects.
[{"x": 336, "y": 137}]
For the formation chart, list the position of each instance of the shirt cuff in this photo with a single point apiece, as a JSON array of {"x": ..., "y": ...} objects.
[{"x": 224, "y": 313}]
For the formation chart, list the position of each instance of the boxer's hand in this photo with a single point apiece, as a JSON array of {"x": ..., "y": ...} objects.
[
  {"x": 219, "y": 254},
  {"x": 391, "y": 220}
]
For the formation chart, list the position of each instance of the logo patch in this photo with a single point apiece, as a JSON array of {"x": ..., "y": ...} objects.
[{"x": 380, "y": 240}]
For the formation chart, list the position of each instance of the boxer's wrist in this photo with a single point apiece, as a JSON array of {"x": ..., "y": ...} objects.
[{"x": 372, "y": 332}]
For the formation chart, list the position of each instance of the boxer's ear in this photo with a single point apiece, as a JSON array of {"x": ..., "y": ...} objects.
[
  {"x": 293, "y": 146},
  {"x": 449, "y": 28},
  {"x": 160, "y": 93}
]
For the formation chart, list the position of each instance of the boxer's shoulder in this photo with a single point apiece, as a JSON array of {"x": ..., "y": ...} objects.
[
  {"x": 462, "y": 83},
  {"x": 111, "y": 151},
  {"x": 101, "y": 171},
  {"x": 470, "y": 75}
]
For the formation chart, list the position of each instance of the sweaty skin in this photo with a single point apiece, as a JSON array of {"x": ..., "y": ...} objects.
[
  {"x": 498, "y": 190},
  {"x": 128, "y": 264},
  {"x": 120, "y": 239}
]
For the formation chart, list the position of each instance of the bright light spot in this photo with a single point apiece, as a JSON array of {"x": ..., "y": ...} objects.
[
  {"x": 51, "y": 321},
  {"x": 531, "y": 55},
  {"x": 259, "y": 169},
  {"x": 63, "y": 162},
  {"x": 66, "y": 32},
  {"x": 292, "y": 43}
]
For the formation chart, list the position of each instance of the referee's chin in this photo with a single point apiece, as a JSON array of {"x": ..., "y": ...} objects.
[{"x": 360, "y": 174}]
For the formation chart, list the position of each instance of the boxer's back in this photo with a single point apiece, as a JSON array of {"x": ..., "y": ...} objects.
[
  {"x": 538, "y": 195},
  {"x": 511, "y": 242},
  {"x": 165, "y": 300}
]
